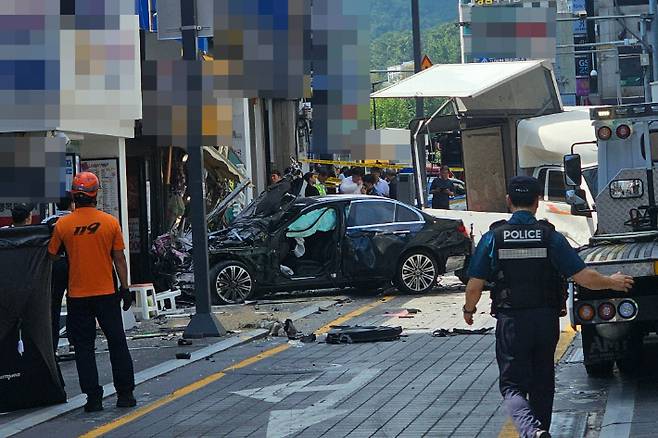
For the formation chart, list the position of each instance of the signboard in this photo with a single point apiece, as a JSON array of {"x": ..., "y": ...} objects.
[
  {"x": 425, "y": 63},
  {"x": 134, "y": 237},
  {"x": 72, "y": 167},
  {"x": 583, "y": 66},
  {"x": 579, "y": 26},
  {"x": 109, "y": 195},
  {"x": 582, "y": 87},
  {"x": 169, "y": 19}
]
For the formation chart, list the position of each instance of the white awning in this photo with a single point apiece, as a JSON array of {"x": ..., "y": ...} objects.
[
  {"x": 546, "y": 139},
  {"x": 458, "y": 80}
]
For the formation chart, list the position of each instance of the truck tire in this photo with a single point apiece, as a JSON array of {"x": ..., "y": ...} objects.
[{"x": 600, "y": 369}]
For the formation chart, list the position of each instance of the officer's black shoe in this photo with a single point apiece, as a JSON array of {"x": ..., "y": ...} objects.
[
  {"x": 94, "y": 404},
  {"x": 542, "y": 434},
  {"x": 126, "y": 400}
]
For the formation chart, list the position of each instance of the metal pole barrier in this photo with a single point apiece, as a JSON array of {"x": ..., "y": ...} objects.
[
  {"x": 653, "y": 40},
  {"x": 645, "y": 66},
  {"x": 203, "y": 322},
  {"x": 415, "y": 19}
]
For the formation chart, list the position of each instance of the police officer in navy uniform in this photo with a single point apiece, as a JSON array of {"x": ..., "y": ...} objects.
[{"x": 526, "y": 260}]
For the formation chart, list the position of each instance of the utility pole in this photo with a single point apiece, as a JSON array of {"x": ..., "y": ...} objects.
[
  {"x": 420, "y": 150},
  {"x": 415, "y": 21},
  {"x": 653, "y": 41},
  {"x": 203, "y": 322}
]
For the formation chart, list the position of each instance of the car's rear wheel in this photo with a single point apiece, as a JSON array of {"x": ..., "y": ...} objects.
[
  {"x": 231, "y": 282},
  {"x": 417, "y": 272}
]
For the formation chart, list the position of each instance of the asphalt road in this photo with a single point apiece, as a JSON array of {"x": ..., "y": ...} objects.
[{"x": 419, "y": 385}]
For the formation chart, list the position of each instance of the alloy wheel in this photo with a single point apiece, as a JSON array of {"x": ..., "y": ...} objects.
[
  {"x": 418, "y": 272},
  {"x": 233, "y": 284}
]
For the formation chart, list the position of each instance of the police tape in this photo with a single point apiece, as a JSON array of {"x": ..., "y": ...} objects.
[
  {"x": 367, "y": 164},
  {"x": 355, "y": 164}
]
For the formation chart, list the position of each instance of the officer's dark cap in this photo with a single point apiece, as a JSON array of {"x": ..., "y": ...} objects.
[{"x": 525, "y": 186}]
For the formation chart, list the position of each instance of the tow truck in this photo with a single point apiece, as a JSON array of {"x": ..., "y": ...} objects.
[{"x": 614, "y": 325}]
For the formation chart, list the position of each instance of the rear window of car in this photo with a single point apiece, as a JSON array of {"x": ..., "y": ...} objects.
[
  {"x": 405, "y": 214},
  {"x": 371, "y": 213}
]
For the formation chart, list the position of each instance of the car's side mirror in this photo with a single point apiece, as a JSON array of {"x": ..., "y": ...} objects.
[
  {"x": 578, "y": 201},
  {"x": 573, "y": 175}
]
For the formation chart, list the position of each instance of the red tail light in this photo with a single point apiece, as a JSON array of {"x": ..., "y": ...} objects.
[
  {"x": 462, "y": 229},
  {"x": 623, "y": 131}
]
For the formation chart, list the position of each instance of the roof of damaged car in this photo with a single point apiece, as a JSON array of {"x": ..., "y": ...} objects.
[{"x": 313, "y": 200}]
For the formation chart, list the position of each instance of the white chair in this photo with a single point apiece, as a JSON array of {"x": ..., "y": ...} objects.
[
  {"x": 142, "y": 308},
  {"x": 167, "y": 296}
]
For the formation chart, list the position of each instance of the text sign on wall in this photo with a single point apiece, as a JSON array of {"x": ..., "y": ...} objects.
[{"x": 107, "y": 171}]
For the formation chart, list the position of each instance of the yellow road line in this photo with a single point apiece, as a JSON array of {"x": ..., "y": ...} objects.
[
  {"x": 508, "y": 430},
  {"x": 181, "y": 392}
]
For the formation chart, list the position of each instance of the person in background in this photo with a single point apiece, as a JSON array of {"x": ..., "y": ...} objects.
[
  {"x": 311, "y": 181},
  {"x": 95, "y": 247},
  {"x": 380, "y": 184},
  {"x": 344, "y": 173},
  {"x": 370, "y": 185},
  {"x": 275, "y": 177},
  {"x": 392, "y": 180},
  {"x": 323, "y": 175},
  {"x": 352, "y": 184},
  {"x": 21, "y": 215},
  {"x": 442, "y": 188},
  {"x": 60, "y": 277}
]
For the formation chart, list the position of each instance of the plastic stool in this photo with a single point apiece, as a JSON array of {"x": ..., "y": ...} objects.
[
  {"x": 168, "y": 295},
  {"x": 142, "y": 307}
]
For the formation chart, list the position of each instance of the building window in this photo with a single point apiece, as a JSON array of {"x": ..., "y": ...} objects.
[{"x": 630, "y": 67}]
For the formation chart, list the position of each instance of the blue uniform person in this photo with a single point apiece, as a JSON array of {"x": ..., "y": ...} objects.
[{"x": 527, "y": 261}]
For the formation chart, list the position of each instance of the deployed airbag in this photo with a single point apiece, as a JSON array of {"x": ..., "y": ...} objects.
[{"x": 320, "y": 220}]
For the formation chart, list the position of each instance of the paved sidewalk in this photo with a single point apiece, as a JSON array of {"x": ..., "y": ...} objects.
[{"x": 414, "y": 386}]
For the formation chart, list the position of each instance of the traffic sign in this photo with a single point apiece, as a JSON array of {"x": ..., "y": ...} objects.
[{"x": 425, "y": 63}]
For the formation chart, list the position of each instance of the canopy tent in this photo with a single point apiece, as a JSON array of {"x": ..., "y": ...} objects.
[
  {"x": 546, "y": 139},
  {"x": 485, "y": 87}
]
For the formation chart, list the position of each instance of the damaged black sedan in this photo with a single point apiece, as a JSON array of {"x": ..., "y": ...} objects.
[{"x": 284, "y": 243}]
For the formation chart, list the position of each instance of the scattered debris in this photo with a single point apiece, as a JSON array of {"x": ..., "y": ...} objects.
[
  {"x": 308, "y": 338},
  {"x": 404, "y": 313},
  {"x": 442, "y": 333},
  {"x": 145, "y": 336},
  {"x": 295, "y": 343},
  {"x": 183, "y": 342},
  {"x": 289, "y": 328},
  {"x": 352, "y": 334},
  {"x": 183, "y": 355}
]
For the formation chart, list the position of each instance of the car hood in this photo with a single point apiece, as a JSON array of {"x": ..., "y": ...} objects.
[{"x": 241, "y": 233}]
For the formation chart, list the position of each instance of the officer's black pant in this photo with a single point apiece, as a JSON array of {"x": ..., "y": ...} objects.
[
  {"x": 60, "y": 281},
  {"x": 81, "y": 324},
  {"x": 525, "y": 346}
]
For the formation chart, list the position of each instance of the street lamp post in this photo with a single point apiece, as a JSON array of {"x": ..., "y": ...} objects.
[{"x": 203, "y": 323}]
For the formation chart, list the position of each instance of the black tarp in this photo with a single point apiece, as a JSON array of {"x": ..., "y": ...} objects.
[{"x": 33, "y": 378}]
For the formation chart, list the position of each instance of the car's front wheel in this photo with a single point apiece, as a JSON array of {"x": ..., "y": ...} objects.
[
  {"x": 231, "y": 282},
  {"x": 417, "y": 272}
]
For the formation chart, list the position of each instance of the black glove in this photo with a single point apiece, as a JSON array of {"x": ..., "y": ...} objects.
[{"x": 127, "y": 297}]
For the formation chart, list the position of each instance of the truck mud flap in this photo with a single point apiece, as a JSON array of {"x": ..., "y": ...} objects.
[
  {"x": 353, "y": 334},
  {"x": 598, "y": 349}
]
